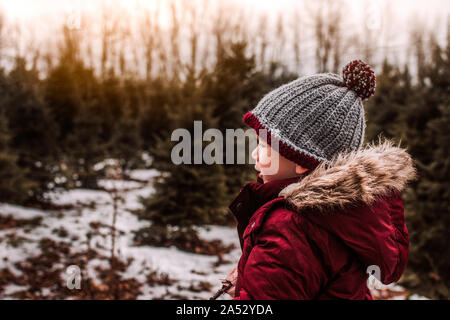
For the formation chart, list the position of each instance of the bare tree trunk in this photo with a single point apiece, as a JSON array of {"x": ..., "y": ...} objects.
[
  {"x": 327, "y": 20},
  {"x": 296, "y": 27}
]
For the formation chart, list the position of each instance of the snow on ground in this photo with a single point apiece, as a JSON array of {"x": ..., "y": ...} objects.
[
  {"x": 19, "y": 212},
  {"x": 94, "y": 208},
  {"x": 143, "y": 174}
]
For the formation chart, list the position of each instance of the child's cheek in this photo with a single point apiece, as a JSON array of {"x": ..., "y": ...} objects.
[
  {"x": 255, "y": 156},
  {"x": 264, "y": 158}
]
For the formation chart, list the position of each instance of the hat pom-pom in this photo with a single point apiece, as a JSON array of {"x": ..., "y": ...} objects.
[{"x": 359, "y": 77}]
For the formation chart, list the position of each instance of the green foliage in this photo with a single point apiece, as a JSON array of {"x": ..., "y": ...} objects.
[
  {"x": 419, "y": 115},
  {"x": 31, "y": 133},
  {"x": 185, "y": 194},
  {"x": 156, "y": 96},
  {"x": 126, "y": 143},
  {"x": 393, "y": 94},
  {"x": 13, "y": 183},
  {"x": 73, "y": 95},
  {"x": 428, "y": 216}
]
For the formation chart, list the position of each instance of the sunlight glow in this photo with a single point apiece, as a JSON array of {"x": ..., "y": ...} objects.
[{"x": 28, "y": 9}]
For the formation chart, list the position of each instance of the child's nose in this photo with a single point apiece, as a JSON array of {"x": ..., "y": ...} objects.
[{"x": 255, "y": 154}]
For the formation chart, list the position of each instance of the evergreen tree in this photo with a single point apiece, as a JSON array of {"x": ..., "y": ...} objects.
[
  {"x": 84, "y": 147},
  {"x": 428, "y": 203},
  {"x": 153, "y": 117},
  {"x": 74, "y": 97},
  {"x": 418, "y": 116},
  {"x": 14, "y": 186},
  {"x": 124, "y": 143},
  {"x": 226, "y": 87},
  {"x": 393, "y": 94},
  {"x": 185, "y": 194},
  {"x": 31, "y": 128}
]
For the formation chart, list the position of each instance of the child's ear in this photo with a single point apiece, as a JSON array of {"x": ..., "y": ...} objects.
[{"x": 299, "y": 169}]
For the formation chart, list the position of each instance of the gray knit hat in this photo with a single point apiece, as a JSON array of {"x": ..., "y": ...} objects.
[{"x": 317, "y": 116}]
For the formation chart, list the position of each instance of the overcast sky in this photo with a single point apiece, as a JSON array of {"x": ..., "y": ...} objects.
[
  {"x": 30, "y": 9},
  {"x": 40, "y": 17}
]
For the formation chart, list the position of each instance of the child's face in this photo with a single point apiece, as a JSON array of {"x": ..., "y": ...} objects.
[{"x": 266, "y": 159}]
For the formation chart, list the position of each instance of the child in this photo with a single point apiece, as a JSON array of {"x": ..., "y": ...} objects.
[{"x": 333, "y": 210}]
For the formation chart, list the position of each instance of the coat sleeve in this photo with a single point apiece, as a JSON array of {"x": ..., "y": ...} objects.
[{"x": 282, "y": 264}]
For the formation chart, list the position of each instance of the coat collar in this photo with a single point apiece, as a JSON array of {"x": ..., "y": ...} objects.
[
  {"x": 253, "y": 195},
  {"x": 358, "y": 177}
]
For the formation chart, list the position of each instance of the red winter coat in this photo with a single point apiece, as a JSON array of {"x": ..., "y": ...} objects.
[{"x": 314, "y": 237}]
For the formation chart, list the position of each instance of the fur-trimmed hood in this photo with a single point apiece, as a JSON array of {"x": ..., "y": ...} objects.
[
  {"x": 357, "y": 198},
  {"x": 351, "y": 178}
]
